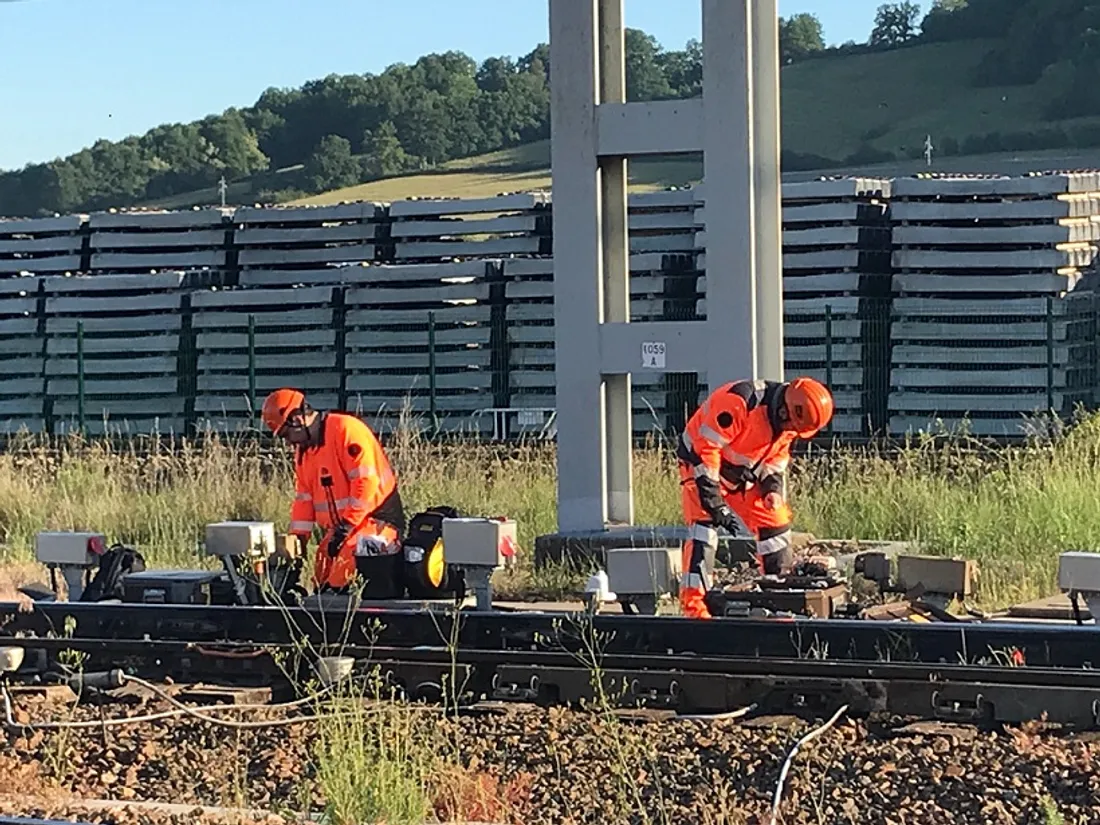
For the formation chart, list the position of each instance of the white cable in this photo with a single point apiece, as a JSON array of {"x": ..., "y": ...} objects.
[
  {"x": 790, "y": 758},
  {"x": 181, "y": 710},
  {"x": 718, "y": 717}
]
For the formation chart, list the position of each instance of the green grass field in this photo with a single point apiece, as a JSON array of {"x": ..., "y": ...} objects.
[
  {"x": 1012, "y": 509},
  {"x": 831, "y": 107}
]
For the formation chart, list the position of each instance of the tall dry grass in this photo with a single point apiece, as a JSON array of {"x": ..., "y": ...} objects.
[{"x": 1013, "y": 509}]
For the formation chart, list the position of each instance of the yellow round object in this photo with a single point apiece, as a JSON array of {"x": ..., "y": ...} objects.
[{"x": 436, "y": 564}]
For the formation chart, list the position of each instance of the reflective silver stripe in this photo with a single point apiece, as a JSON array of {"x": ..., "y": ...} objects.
[
  {"x": 356, "y": 472},
  {"x": 321, "y": 506},
  {"x": 702, "y": 470},
  {"x": 301, "y": 526},
  {"x": 713, "y": 435},
  {"x": 707, "y": 535},
  {"x": 691, "y": 581},
  {"x": 774, "y": 544},
  {"x": 737, "y": 459},
  {"x": 773, "y": 467},
  {"x": 341, "y": 503},
  {"x": 694, "y": 581},
  {"x": 303, "y": 497}
]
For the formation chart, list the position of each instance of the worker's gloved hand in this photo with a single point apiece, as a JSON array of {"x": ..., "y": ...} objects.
[
  {"x": 337, "y": 539},
  {"x": 773, "y": 501},
  {"x": 729, "y": 521}
]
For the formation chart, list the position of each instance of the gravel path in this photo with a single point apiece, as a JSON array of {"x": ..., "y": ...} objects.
[{"x": 562, "y": 767}]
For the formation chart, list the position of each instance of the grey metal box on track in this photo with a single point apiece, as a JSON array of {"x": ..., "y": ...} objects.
[
  {"x": 1079, "y": 571},
  {"x": 239, "y": 538},
  {"x": 645, "y": 571}
]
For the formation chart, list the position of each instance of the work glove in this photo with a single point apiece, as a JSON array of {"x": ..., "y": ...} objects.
[
  {"x": 336, "y": 540},
  {"x": 729, "y": 521}
]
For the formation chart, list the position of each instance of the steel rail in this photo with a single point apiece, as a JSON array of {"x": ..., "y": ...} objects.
[
  {"x": 692, "y": 684},
  {"x": 244, "y": 655},
  {"x": 1042, "y": 645}
]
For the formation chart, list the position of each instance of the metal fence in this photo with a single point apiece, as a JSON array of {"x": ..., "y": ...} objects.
[{"x": 920, "y": 301}]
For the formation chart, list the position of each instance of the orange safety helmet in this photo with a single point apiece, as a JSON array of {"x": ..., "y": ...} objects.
[
  {"x": 809, "y": 405},
  {"x": 279, "y": 406}
]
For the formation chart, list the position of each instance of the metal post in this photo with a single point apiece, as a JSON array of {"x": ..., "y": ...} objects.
[
  {"x": 596, "y": 342},
  {"x": 767, "y": 186},
  {"x": 431, "y": 374},
  {"x": 829, "y": 351},
  {"x": 728, "y": 161},
  {"x": 1050, "y": 354},
  {"x": 577, "y": 255},
  {"x": 252, "y": 368},
  {"x": 616, "y": 270},
  {"x": 80, "y": 374}
]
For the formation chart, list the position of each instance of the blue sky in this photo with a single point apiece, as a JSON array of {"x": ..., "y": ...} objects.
[{"x": 74, "y": 71}]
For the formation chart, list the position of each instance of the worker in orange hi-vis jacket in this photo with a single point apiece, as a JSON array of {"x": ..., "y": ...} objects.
[
  {"x": 344, "y": 483},
  {"x": 733, "y": 456}
]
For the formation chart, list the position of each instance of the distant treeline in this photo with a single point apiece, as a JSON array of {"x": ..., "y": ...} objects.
[{"x": 348, "y": 129}]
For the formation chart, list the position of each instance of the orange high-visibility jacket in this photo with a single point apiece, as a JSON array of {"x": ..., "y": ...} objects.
[
  {"x": 735, "y": 440},
  {"x": 364, "y": 486}
]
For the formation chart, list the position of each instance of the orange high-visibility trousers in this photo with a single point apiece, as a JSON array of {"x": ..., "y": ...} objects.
[{"x": 771, "y": 528}]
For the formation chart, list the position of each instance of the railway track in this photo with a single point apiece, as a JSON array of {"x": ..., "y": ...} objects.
[{"x": 969, "y": 672}]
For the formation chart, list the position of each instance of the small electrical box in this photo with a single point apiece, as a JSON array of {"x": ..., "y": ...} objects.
[
  {"x": 240, "y": 538},
  {"x": 170, "y": 587},
  {"x": 478, "y": 542},
  {"x": 70, "y": 549},
  {"x": 1078, "y": 571},
  {"x": 644, "y": 571},
  {"x": 937, "y": 575}
]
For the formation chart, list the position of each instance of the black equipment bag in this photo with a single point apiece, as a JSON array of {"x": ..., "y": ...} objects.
[{"x": 114, "y": 565}]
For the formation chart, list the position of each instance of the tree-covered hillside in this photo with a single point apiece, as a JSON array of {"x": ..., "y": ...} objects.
[{"x": 979, "y": 75}]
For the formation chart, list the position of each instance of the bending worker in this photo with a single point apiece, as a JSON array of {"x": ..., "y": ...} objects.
[
  {"x": 344, "y": 483},
  {"x": 732, "y": 457}
]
